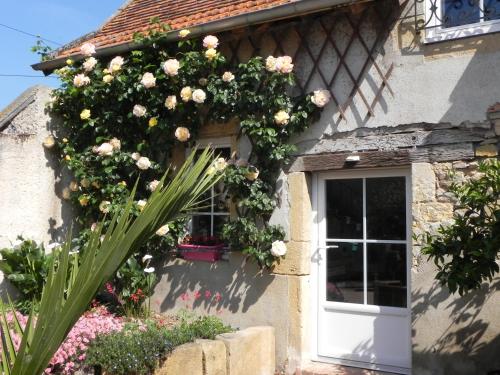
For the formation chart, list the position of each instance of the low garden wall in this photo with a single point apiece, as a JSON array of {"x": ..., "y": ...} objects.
[{"x": 246, "y": 352}]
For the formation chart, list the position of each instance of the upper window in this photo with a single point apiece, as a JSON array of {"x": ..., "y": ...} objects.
[
  {"x": 208, "y": 220},
  {"x": 449, "y": 19}
]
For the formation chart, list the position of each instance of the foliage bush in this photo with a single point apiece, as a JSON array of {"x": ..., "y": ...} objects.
[
  {"x": 134, "y": 350},
  {"x": 467, "y": 251},
  {"x": 114, "y": 112},
  {"x": 26, "y": 266},
  {"x": 138, "y": 348},
  {"x": 206, "y": 327}
]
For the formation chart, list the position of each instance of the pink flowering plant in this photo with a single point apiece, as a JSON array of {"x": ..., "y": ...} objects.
[{"x": 71, "y": 354}]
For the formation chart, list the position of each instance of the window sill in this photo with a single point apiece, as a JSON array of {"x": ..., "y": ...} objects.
[{"x": 437, "y": 34}]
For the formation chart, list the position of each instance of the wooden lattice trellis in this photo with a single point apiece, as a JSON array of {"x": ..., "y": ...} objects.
[{"x": 336, "y": 50}]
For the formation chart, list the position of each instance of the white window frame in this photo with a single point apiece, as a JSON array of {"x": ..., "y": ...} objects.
[
  {"x": 438, "y": 33},
  {"x": 214, "y": 143}
]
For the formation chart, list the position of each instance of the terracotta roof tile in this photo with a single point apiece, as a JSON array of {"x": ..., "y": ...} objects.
[{"x": 136, "y": 14}]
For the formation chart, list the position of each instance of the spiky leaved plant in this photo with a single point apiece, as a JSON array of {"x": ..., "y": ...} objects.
[{"x": 64, "y": 299}]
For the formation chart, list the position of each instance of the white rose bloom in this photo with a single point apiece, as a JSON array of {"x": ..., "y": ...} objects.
[
  {"x": 73, "y": 186},
  {"x": 149, "y": 270},
  {"x": 115, "y": 142},
  {"x": 184, "y": 33},
  {"x": 81, "y": 80},
  {"x": 252, "y": 174},
  {"x": 182, "y": 134},
  {"x": 284, "y": 64},
  {"x": 278, "y": 248},
  {"x": 49, "y": 142},
  {"x": 171, "y": 102},
  {"x": 163, "y": 230},
  {"x": 148, "y": 80},
  {"x": 320, "y": 98},
  {"x": 271, "y": 64},
  {"x": 210, "y": 53},
  {"x": 139, "y": 110},
  {"x": 227, "y": 76},
  {"x": 136, "y": 156},
  {"x": 153, "y": 185},
  {"x": 107, "y": 78},
  {"x": 186, "y": 94},
  {"x": 143, "y": 163},
  {"x": 141, "y": 204},
  {"x": 89, "y": 64},
  {"x": 93, "y": 227},
  {"x": 87, "y": 49},
  {"x": 199, "y": 96},
  {"x": 116, "y": 64},
  {"x": 146, "y": 257},
  {"x": 104, "y": 206},
  {"x": 171, "y": 67},
  {"x": 106, "y": 149},
  {"x": 220, "y": 164},
  {"x": 210, "y": 41},
  {"x": 281, "y": 118},
  {"x": 66, "y": 193}
]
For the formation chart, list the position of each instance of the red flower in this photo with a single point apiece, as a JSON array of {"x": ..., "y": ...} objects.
[
  {"x": 197, "y": 294},
  {"x": 208, "y": 294},
  {"x": 217, "y": 297}
]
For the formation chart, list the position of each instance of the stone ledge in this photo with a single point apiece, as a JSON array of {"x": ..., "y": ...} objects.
[
  {"x": 250, "y": 351},
  {"x": 247, "y": 352}
]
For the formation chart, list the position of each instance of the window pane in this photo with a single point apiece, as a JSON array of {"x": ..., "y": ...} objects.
[
  {"x": 221, "y": 200},
  {"x": 219, "y": 221},
  {"x": 460, "y": 12},
  {"x": 201, "y": 225},
  {"x": 344, "y": 208},
  {"x": 386, "y": 274},
  {"x": 491, "y": 10},
  {"x": 386, "y": 208},
  {"x": 344, "y": 273}
]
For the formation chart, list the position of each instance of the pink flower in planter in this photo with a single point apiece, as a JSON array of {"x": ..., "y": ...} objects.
[
  {"x": 197, "y": 295},
  {"x": 185, "y": 296},
  {"x": 208, "y": 294}
]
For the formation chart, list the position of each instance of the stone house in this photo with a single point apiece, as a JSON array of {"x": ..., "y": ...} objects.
[{"x": 413, "y": 89}]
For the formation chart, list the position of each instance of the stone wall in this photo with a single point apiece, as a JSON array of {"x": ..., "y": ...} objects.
[
  {"x": 30, "y": 178},
  {"x": 247, "y": 352},
  {"x": 451, "y": 334}
]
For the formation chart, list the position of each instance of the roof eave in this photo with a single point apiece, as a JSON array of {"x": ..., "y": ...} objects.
[{"x": 265, "y": 15}]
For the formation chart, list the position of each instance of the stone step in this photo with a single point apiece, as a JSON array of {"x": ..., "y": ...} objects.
[{"x": 331, "y": 369}]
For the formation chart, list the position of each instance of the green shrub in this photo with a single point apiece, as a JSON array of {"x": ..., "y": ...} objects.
[
  {"x": 26, "y": 266},
  {"x": 466, "y": 252},
  {"x": 206, "y": 327},
  {"x": 131, "y": 351}
]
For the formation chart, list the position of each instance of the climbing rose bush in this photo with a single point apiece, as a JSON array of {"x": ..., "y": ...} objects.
[{"x": 153, "y": 102}]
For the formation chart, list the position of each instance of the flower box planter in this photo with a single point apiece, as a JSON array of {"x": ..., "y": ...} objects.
[{"x": 206, "y": 253}]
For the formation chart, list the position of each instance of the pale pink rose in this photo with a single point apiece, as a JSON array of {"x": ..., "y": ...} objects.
[
  {"x": 81, "y": 80},
  {"x": 210, "y": 41},
  {"x": 171, "y": 67},
  {"x": 148, "y": 80},
  {"x": 87, "y": 49}
]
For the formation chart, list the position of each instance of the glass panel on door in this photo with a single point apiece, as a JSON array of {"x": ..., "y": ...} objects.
[{"x": 366, "y": 241}]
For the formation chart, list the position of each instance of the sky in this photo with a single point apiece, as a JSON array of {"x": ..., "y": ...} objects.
[{"x": 57, "y": 20}]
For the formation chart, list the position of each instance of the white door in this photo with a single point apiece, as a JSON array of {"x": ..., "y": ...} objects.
[{"x": 361, "y": 269}]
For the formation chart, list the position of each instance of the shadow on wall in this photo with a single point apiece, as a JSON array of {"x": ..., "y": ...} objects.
[
  {"x": 462, "y": 346},
  {"x": 236, "y": 286}
]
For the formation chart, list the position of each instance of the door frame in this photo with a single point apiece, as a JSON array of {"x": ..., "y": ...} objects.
[{"x": 315, "y": 272}]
